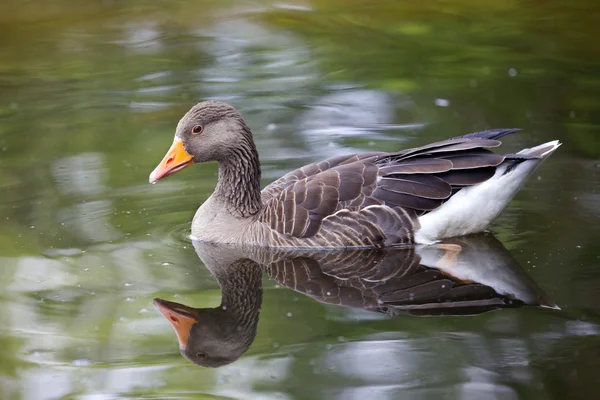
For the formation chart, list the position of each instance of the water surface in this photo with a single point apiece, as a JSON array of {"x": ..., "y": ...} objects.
[{"x": 90, "y": 96}]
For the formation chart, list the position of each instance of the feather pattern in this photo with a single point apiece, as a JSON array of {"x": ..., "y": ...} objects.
[{"x": 333, "y": 196}]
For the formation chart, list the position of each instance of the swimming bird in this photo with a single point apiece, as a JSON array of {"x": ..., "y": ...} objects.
[{"x": 420, "y": 195}]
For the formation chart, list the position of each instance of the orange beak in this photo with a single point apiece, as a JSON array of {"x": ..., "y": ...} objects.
[
  {"x": 175, "y": 160},
  {"x": 180, "y": 316}
]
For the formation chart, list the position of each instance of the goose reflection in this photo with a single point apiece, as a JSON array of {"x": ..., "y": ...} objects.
[{"x": 461, "y": 276}]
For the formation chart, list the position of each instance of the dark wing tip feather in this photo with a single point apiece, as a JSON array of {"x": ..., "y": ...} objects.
[
  {"x": 472, "y": 159},
  {"x": 393, "y": 199},
  {"x": 490, "y": 133},
  {"x": 466, "y": 177},
  {"x": 427, "y": 186}
]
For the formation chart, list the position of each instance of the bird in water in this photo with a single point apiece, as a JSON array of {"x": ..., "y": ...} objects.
[{"x": 421, "y": 195}]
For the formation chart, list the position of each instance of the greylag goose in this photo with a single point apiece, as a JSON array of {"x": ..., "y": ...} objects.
[
  {"x": 444, "y": 189},
  {"x": 416, "y": 280}
]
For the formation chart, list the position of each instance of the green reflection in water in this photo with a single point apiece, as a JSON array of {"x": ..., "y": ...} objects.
[{"x": 91, "y": 93}]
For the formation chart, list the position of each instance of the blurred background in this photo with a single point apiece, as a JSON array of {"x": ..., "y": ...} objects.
[{"x": 91, "y": 92}]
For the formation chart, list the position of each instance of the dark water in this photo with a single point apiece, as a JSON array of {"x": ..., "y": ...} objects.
[{"x": 90, "y": 96}]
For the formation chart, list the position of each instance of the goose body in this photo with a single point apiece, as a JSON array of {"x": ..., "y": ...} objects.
[{"x": 444, "y": 189}]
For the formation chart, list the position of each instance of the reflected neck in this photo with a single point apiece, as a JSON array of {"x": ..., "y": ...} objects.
[{"x": 241, "y": 292}]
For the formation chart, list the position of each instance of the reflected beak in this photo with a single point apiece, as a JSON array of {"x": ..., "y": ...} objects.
[
  {"x": 180, "y": 316},
  {"x": 175, "y": 160}
]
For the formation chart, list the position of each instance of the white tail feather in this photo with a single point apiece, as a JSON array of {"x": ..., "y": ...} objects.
[
  {"x": 543, "y": 150},
  {"x": 472, "y": 209}
]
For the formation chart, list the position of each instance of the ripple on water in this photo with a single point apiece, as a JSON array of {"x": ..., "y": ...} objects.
[
  {"x": 63, "y": 252},
  {"x": 177, "y": 235}
]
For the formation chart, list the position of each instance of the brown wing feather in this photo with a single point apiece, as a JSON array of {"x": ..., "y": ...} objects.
[
  {"x": 461, "y": 177},
  {"x": 474, "y": 159},
  {"x": 415, "y": 181},
  {"x": 275, "y": 189},
  {"x": 422, "y": 179},
  {"x": 418, "y": 166},
  {"x": 420, "y": 185},
  {"x": 347, "y": 180},
  {"x": 395, "y": 199},
  {"x": 457, "y": 144}
]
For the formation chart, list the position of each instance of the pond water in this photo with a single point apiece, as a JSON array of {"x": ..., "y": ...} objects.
[{"x": 91, "y": 94}]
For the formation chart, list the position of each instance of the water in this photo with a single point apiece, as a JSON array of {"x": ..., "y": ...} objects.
[{"x": 91, "y": 94}]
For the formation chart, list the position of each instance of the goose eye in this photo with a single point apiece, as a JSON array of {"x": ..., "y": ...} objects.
[
  {"x": 197, "y": 129},
  {"x": 201, "y": 355}
]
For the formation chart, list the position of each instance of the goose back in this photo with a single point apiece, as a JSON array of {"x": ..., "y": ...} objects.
[{"x": 374, "y": 199}]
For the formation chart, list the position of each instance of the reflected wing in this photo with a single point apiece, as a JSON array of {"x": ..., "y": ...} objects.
[
  {"x": 401, "y": 280},
  {"x": 368, "y": 281}
]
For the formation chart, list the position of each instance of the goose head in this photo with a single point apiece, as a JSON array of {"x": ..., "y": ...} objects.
[{"x": 209, "y": 131}]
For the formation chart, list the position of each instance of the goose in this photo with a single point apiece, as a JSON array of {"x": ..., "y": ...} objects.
[{"x": 421, "y": 195}]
